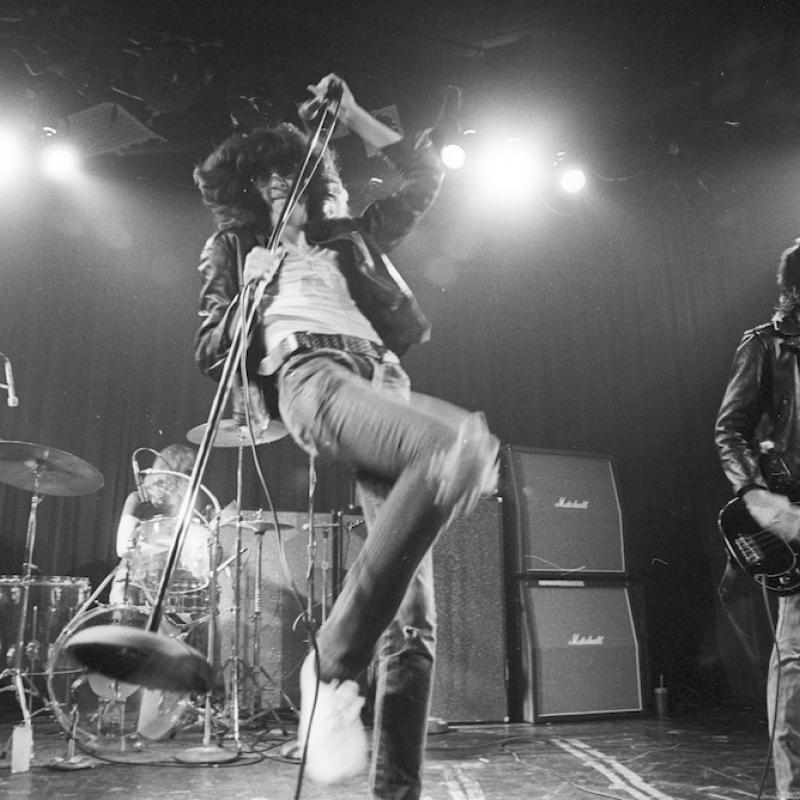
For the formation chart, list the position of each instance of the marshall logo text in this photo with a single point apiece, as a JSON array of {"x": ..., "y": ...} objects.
[
  {"x": 577, "y": 640},
  {"x": 564, "y": 503}
]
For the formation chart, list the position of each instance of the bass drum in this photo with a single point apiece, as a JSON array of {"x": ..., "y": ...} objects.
[{"x": 105, "y": 715}]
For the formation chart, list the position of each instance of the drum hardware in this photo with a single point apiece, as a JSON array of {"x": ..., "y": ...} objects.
[
  {"x": 230, "y": 433},
  {"x": 237, "y": 592},
  {"x": 71, "y": 762},
  {"x": 257, "y": 522},
  {"x": 325, "y": 562},
  {"x": 347, "y": 523},
  {"x": 42, "y": 471},
  {"x": 208, "y": 753},
  {"x": 257, "y": 666},
  {"x": 311, "y": 547}
]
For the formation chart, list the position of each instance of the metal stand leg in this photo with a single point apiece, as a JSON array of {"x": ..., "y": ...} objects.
[
  {"x": 209, "y": 753},
  {"x": 256, "y": 668},
  {"x": 312, "y": 542},
  {"x": 16, "y": 672},
  {"x": 22, "y": 740}
]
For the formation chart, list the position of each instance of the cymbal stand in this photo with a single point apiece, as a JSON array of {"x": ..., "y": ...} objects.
[
  {"x": 256, "y": 665},
  {"x": 325, "y": 562},
  {"x": 311, "y": 547},
  {"x": 16, "y": 671},
  {"x": 328, "y": 555},
  {"x": 237, "y": 595},
  {"x": 237, "y": 674},
  {"x": 208, "y": 753}
]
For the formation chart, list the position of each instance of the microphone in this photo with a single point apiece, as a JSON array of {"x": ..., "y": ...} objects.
[
  {"x": 309, "y": 110},
  {"x": 137, "y": 477},
  {"x": 335, "y": 92},
  {"x": 13, "y": 400}
]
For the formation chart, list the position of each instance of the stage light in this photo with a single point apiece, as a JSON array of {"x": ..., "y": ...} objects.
[
  {"x": 59, "y": 160},
  {"x": 509, "y": 168},
  {"x": 453, "y": 156},
  {"x": 572, "y": 180},
  {"x": 570, "y": 173}
]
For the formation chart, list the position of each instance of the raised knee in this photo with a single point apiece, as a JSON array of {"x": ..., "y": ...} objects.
[{"x": 467, "y": 468}]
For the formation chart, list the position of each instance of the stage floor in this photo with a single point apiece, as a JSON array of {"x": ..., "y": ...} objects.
[{"x": 717, "y": 754}]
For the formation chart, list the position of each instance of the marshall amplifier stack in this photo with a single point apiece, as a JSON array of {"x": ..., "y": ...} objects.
[
  {"x": 574, "y": 643},
  {"x": 536, "y": 618}
]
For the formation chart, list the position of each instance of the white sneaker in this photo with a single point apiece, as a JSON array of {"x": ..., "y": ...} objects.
[{"x": 337, "y": 745}]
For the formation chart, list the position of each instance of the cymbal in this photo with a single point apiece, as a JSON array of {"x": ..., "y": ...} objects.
[
  {"x": 231, "y": 434},
  {"x": 45, "y": 470},
  {"x": 149, "y": 659},
  {"x": 255, "y": 521}
]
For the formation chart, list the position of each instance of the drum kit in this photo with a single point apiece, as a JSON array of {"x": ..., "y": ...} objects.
[{"x": 42, "y": 617}]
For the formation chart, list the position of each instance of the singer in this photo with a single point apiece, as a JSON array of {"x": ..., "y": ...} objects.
[{"x": 335, "y": 318}]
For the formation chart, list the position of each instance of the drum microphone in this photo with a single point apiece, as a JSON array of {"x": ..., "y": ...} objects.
[
  {"x": 137, "y": 474},
  {"x": 137, "y": 477},
  {"x": 13, "y": 400}
]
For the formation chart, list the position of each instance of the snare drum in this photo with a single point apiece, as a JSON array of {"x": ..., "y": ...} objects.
[
  {"x": 107, "y": 714},
  {"x": 52, "y": 602}
]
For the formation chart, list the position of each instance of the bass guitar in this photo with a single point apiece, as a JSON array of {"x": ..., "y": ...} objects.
[{"x": 763, "y": 555}]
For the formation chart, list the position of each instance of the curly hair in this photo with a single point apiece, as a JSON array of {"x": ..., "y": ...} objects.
[
  {"x": 176, "y": 457},
  {"x": 789, "y": 281},
  {"x": 226, "y": 178}
]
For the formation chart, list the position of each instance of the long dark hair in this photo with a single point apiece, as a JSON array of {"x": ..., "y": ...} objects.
[
  {"x": 789, "y": 281},
  {"x": 226, "y": 178}
]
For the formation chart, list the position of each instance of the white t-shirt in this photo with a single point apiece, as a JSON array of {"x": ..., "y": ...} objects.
[{"x": 312, "y": 296}]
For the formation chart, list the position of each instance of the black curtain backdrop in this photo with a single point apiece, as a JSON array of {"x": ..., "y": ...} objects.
[{"x": 605, "y": 326}]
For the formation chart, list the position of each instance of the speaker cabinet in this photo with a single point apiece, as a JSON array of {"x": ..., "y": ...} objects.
[
  {"x": 579, "y": 650},
  {"x": 470, "y": 682},
  {"x": 564, "y": 513}
]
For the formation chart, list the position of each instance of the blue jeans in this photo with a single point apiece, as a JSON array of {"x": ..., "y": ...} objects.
[
  {"x": 412, "y": 478},
  {"x": 784, "y": 682}
]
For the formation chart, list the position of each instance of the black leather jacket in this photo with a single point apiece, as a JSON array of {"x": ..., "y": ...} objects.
[
  {"x": 758, "y": 427},
  {"x": 361, "y": 244}
]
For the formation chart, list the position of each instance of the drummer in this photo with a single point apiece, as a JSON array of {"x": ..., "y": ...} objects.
[{"x": 158, "y": 495}]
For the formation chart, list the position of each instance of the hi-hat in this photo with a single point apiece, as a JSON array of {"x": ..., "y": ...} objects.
[
  {"x": 139, "y": 656},
  {"x": 45, "y": 470},
  {"x": 231, "y": 434},
  {"x": 257, "y": 521}
]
